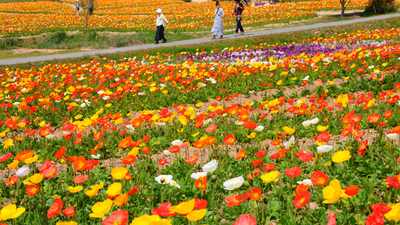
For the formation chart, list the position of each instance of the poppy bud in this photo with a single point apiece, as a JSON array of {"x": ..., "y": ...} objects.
[
  {"x": 12, "y": 193},
  {"x": 223, "y": 222},
  {"x": 246, "y": 184},
  {"x": 265, "y": 200},
  {"x": 213, "y": 178}
]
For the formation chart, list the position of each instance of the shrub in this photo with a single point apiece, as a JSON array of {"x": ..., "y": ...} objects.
[
  {"x": 381, "y": 6},
  {"x": 58, "y": 37}
]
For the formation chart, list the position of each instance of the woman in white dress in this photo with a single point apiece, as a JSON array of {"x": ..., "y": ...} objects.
[{"x": 218, "y": 23}]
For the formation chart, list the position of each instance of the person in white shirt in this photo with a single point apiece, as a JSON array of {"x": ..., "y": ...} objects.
[
  {"x": 161, "y": 21},
  {"x": 77, "y": 7},
  {"x": 218, "y": 23}
]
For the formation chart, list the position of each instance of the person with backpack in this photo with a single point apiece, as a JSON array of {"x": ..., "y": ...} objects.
[
  {"x": 239, "y": 7},
  {"x": 161, "y": 21}
]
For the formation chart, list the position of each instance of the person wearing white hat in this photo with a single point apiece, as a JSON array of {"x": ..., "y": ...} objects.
[
  {"x": 77, "y": 7},
  {"x": 161, "y": 21}
]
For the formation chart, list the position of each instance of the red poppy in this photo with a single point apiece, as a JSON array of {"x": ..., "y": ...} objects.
[
  {"x": 55, "y": 209},
  {"x": 128, "y": 159},
  {"x": 5, "y": 157},
  {"x": 250, "y": 125},
  {"x": 363, "y": 146},
  {"x": 146, "y": 138},
  {"x": 132, "y": 191},
  {"x": 211, "y": 128},
  {"x": 301, "y": 199},
  {"x": 375, "y": 218},
  {"x": 300, "y": 189},
  {"x": 253, "y": 175},
  {"x": 373, "y": 118},
  {"x": 387, "y": 114},
  {"x": 275, "y": 142},
  {"x": 307, "y": 157},
  {"x": 32, "y": 189},
  {"x": 229, "y": 139},
  {"x": 201, "y": 183},
  {"x": 174, "y": 149},
  {"x": 60, "y": 153},
  {"x": 380, "y": 208},
  {"x": 80, "y": 179},
  {"x": 269, "y": 167},
  {"x": 200, "y": 204},
  {"x": 351, "y": 190},
  {"x": 128, "y": 176},
  {"x": 293, "y": 172},
  {"x": 162, "y": 161},
  {"x": 119, "y": 217},
  {"x": 91, "y": 164},
  {"x": 69, "y": 211},
  {"x": 245, "y": 220},
  {"x": 261, "y": 153},
  {"x": 241, "y": 154},
  {"x": 255, "y": 194},
  {"x": 233, "y": 200},
  {"x": 193, "y": 159},
  {"x": 50, "y": 172},
  {"x": 163, "y": 210},
  {"x": 11, "y": 181},
  {"x": 393, "y": 181},
  {"x": 319, "y": 178},
  {"x": 323, "y": 137},
  {"x": 256, "y": 162},
  {"x": 332, "y": 218}
]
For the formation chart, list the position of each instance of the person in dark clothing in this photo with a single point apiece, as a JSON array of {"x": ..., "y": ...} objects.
[
  {"x": 160, "y": 22},
  {"x": 239, "y": 7}
]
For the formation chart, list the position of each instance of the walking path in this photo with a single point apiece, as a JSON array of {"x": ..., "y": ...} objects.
[{"x": 189, "y": 42}]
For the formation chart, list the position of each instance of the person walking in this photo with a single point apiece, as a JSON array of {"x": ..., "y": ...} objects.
[
  {"x": 218, "y": 27},
  {"x": 77, "y": 7},
  {"x": 239, "y": 7},
  {"x": 161, "y": 21}
]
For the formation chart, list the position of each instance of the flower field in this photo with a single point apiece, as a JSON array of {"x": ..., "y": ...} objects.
[
  {"x": 287, "y": 133},
  {"x": 19, "y": 19}
]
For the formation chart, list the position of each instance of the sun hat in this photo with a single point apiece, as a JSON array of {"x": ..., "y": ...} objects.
[{"x": 159, "y": 11}]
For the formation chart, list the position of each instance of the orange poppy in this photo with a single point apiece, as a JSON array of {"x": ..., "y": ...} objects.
[
  {"x": 80, "y": 163},
  {"x": 201, "y": 183},
  {"x": 193, "y": 158},
  {"x": 24, "y": 155},
  {"x": 255, "y": 194},
  {"x": 129, "y": 159},
  {"x": 351, "y": 190},
  {"x": 241, "y": 154},
  {"x": 55, "y": 209},
  {"x": 319, "y": 178},
  {"x": 60, "y": 153},
  {"x": 275, "y": 142},
  {"x": 229, "y": 139},
  {"x": 32, "y": 189},
  {"x": 300, "y": 189}
]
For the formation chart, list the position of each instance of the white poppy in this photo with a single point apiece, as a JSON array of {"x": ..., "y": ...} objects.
[
  {"x": 173, "y": 183},
  {"x": 210, "y": 166},
  {"x": 234, "y": 183},
  {"x": 259, "y": 128},
  {"x": 23, "y": 171},
  {"x": 289, "y": 143},
  {"x": 306, "y": 181},
  {"x": 167, "y": 152},
  {"x": 177, "y": 142},
  {"x": 324, "y": 148},
  {"x": 198, "y": 175},
  {"x": 95, "y": 156},
  {"x": 164, "y": 179},
  {"x": 392, "y": 136}
]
